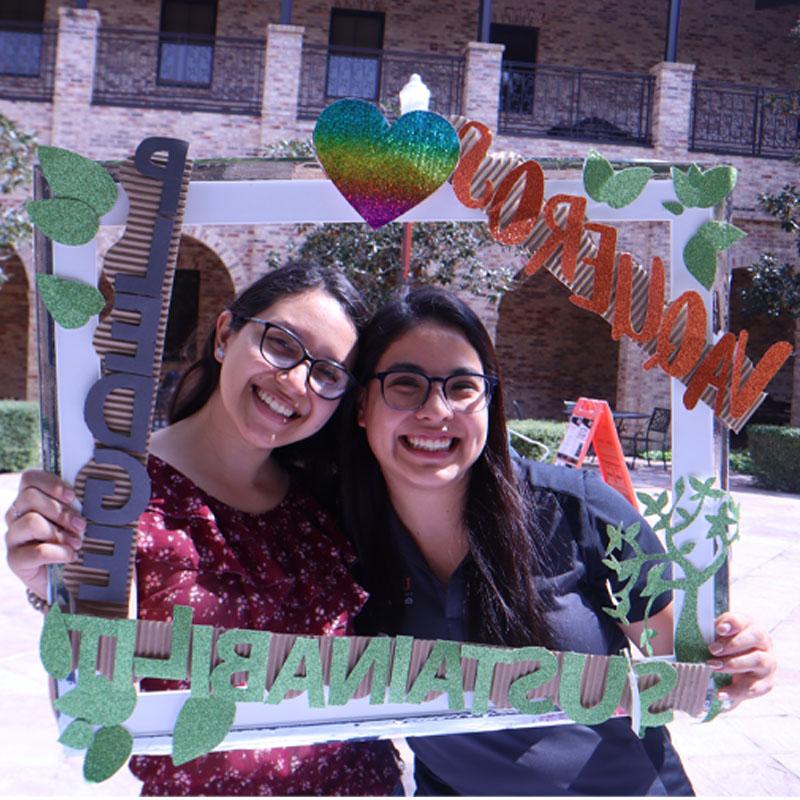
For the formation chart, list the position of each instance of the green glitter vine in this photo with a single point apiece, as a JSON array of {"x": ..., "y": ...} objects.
[{"x": 672, "y": 520}]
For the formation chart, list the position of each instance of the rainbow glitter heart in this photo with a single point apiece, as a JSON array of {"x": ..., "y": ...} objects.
[{"x": 384, "y": 171}]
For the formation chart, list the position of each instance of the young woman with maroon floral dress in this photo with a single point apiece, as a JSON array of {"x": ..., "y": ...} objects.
[{"x": 230, "y": 530}]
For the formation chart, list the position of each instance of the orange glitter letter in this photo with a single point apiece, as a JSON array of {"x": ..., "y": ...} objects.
[
  {"x": 622, "y": 324},
  {"x": 530, "y": 203},
  {"x": 569, "y": 237},
  {"x": 468, "y": 166},
  {"x": 603, "y": 263},
  {"x": 683, "y": 355}
]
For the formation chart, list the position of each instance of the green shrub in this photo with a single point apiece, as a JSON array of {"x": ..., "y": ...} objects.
[
  {"x": 776, "y": 456},
  {"x": 19, "y": 435},
  {"x": 540, "y": 430},
  {"x": 742, "y": 462}
]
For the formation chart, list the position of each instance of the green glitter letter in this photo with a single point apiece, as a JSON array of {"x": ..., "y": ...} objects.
[
  {"x": 569, "y": 691},
  {"x": 667, "y": 678},
  {"x": 452, "y": 682},
  {"x": 304, "y": 650},
  {"x": 400, "y": 666},
  {"x": 374, "y": 657},
  {"x": 174, "y": 667},
  {"x": 255, "y": 665},
  {"x": 519, "y": 689}
]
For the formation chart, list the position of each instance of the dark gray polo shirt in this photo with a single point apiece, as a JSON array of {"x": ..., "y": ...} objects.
[{"x": 573, "y": 508}]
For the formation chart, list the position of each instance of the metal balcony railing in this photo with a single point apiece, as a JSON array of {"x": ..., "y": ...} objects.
[
  {"x": 744, "y": 120},
  {"x": 331, "y": 73},
  {"x": 573, "y": 103},
  {"x": 149, "y": 69},
  {"x": 27, "y": 60}
]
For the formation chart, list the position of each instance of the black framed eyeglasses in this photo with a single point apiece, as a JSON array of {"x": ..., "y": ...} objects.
[
  {"x": 282, "y": 349},
  {"x": 408, "y": 390}
]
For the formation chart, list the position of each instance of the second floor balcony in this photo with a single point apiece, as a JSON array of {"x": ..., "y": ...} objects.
[
  {"x": 331, "y": 73},
  {"x": 744, "y": 120},
  {"x": 571, "y": 103},
  {"x": 193, "y": 73},
  {"x": 27, "y": 60}
]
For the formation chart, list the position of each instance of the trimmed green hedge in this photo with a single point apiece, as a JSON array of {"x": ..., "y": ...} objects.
[
  {"x": 775, "y": 451},
  {"x": 19, "y": 435},
  {"x": 541, "y": 430}
]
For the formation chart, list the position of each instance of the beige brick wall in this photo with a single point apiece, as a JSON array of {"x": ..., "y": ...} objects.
[{"x": 730, "y": 42}]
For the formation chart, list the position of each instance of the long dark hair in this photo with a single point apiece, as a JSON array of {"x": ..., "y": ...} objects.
[
  {"x": 201, "y": 379},
  {"x": 505, "y": 607}
]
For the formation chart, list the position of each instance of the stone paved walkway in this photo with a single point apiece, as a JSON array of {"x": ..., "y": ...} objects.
[{"x": 753, "y": 751}]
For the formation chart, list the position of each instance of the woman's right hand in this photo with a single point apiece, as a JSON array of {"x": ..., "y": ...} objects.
[{"x": 42, "y": 528}]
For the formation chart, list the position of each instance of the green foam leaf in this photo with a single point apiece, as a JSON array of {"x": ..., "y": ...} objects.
[
  {"x": 107, "y": 753},
  {"x": 701, "y": 250},
  {"x": 72, "y": 175},
  {"x": 202, "y": 724},
  {"x": 616, "y": 189},
  {"x": 700, "y": 258},
  {"x": 70, "y": 303},
  {"x": 597, "y": 171},
  {"x": 698, "y": 189},
  {"x": 626, "y": 186},
  {"x": 721, "y": 235},
  {"x": 673, "y": 207},
  {"x": 97, "y": 700},
  {"x": 64, "y": 219},
  {"x": 54, "y": 645},
  {"x": 78, "y": 734}
]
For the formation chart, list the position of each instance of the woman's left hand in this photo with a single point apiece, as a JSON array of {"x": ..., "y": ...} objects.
[{"x": 743, "y": 649}]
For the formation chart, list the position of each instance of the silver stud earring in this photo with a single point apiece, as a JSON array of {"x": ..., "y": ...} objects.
[{"x": 220, "y": 353}]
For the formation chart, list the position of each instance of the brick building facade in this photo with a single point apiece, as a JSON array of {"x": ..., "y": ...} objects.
[{"x": 594, "y": 77}]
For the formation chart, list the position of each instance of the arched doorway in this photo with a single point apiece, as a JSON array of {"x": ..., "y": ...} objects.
[
  {"x": 550, "y": 350},
  {"x": 202, "y": 288},
  {"x": 14, "y": 320}
]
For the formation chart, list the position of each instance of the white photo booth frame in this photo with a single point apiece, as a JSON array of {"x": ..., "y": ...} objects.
[{"x": 266, "y": 202}]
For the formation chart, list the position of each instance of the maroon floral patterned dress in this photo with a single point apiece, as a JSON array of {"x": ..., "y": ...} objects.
[{"x": 285, "y": 571}]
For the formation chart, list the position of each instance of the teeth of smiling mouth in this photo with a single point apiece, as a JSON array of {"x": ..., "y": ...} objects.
[
  {"x": 275, "y": 405},
  {"x": 429, "y": 444}
]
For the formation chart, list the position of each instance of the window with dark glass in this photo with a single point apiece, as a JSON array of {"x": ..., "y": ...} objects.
[
  {"x": 519, "y": 57},
  {"x": 186, "y": 43},
  {"x": 21, "y": 37},
  {"x": 354, "y": 60},
  {"x": 179, "y": 342}
]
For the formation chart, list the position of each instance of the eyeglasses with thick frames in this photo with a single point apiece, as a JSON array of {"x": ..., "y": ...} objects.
[
  {"x": 282, "y": 349},
  {"x": 408, "y": 390}
]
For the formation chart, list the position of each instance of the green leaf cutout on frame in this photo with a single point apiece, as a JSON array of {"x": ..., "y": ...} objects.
[
  {"x": 71, "y": 303},
  {"x": 97, "y": 700},
  {"x": 700, "y": 253},
  {"x": 71, "y": 175},
  {"x": 673, "y": 207},
  {"x": 64, "y": 219},
  {"x": 107, "y": 753},
  {"x": 55, "y": 649},
  {"x": 78, "y": 734},
  {"x": 616, "y": 189},
  {"x": 698, "y": 189},
  {"x": 202, "y": 724}
]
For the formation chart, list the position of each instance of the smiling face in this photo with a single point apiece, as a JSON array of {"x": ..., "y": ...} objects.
[
  {"x": 432, "y": 447},
  {"x": 270, "y": 407}
]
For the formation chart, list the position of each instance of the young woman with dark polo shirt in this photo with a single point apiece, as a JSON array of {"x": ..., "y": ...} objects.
[{"x": 456, "y": 542}]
